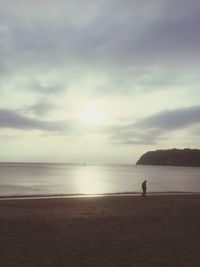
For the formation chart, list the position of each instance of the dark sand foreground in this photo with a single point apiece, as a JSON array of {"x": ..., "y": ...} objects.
[{"x": 111, "y": 231}]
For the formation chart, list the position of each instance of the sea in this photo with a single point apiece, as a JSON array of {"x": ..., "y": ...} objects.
[{"x": 48, "y": 179}]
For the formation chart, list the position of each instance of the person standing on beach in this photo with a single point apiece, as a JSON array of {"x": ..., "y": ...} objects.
[{"x": 144, "y": 188}]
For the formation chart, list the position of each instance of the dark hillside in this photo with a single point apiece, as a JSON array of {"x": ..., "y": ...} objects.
[{"x": 172, "y": 157}]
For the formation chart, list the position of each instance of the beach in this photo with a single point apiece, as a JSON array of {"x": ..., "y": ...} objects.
[{"x": 101, "y": 231}]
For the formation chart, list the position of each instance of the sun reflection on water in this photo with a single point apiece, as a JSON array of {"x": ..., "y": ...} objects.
[{"x": 90, "y": 181}]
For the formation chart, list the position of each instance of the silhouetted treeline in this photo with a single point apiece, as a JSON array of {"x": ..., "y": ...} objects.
[{"x": 172, "y": 157}]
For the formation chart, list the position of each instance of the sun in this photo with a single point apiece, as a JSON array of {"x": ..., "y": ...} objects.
[{"x": 92, "y": 114}]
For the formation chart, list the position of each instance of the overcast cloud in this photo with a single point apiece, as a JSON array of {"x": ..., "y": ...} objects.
[{"x": 137, "y": 60}]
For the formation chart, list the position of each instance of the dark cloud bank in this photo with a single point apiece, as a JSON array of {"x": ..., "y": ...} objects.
[
  {"x": 14, "y": 120},
  {"x": 150, "y": 130}
]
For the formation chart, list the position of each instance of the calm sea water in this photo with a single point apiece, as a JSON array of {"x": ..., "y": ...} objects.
[{"x": 19, "y": 179}]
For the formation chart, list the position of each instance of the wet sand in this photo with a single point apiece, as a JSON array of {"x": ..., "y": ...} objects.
[{"x": 104, "y": 231}]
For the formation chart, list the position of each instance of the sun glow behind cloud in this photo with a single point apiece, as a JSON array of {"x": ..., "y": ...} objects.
[{"x": 92, "y": 114}]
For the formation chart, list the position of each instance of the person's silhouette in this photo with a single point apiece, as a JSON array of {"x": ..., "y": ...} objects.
[{"x": 144, "y": 188}]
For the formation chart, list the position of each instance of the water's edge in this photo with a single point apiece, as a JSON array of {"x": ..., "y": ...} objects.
[{"x": 125, "y": 194}]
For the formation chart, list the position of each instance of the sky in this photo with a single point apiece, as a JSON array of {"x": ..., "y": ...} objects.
[{"x": 98, "y": 81}]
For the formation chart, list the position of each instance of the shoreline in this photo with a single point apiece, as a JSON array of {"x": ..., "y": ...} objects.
[{"x": 119, "y": 194}]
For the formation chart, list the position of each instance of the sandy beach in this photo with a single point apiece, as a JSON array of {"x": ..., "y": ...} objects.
[{"x": 103, "y": 231}]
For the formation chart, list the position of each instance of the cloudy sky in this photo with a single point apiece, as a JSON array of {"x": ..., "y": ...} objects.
[{"x": 98, "y": 81}]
